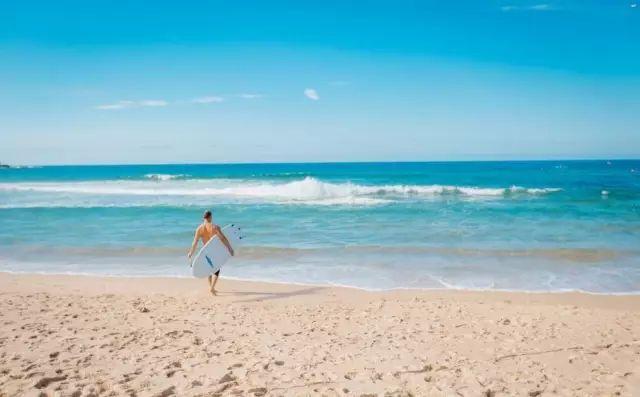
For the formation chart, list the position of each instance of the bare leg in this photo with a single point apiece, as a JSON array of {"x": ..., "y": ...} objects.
[
  {"x": 213, "y": 283},
  {"x": 209, "y": 279}
]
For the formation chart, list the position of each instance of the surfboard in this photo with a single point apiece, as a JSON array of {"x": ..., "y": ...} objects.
[{"x": 214, "y": 253}]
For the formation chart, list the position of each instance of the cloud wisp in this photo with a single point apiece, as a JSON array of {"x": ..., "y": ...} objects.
[
  {"x": 311, "y": 94},
  {"x": 532, "y": 7},
  {"x": 208, "y": 99},
  {"x": 133, "y": 104},
  {"x": 154, "y": 103},
  {"x": 250, "y": 96}
]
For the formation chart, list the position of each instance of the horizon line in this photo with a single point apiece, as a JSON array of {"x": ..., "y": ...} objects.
[{"x": 585, "y": 159}]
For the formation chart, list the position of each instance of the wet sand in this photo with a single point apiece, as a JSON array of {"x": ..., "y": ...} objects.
[{"x": 81, "y": 336}]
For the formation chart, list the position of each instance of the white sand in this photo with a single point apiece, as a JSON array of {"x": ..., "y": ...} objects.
[{"x": 72, "y": 335}]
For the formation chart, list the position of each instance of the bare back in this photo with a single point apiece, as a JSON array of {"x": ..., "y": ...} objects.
[{"x": 206, "y": 231}]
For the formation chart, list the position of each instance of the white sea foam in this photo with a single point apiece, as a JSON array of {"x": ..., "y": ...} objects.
[
  {"x": 310, "y": 191},
  {"x": 165, "y": 177}
]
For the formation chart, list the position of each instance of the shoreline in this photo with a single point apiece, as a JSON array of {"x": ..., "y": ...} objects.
[
  {"x": 198, "y": 285},
  {"x": 328, "y": 285},
  {"x": 78, "y": 335}
]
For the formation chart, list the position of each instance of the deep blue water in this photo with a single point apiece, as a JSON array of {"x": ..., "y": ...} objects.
[{"x": 548, "y": 225}]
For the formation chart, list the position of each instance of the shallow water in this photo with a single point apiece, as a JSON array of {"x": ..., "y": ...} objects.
[{"x": 552, "y": 226}]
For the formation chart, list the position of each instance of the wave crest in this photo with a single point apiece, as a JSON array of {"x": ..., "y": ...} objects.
[
  {"x": 165, "y": 177},
  {"x": 310, "y": 191}
]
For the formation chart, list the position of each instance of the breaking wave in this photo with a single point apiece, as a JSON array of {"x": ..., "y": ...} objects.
[
  {"x": 309, "y": 190},
  {"x": 165, "y": 177}
]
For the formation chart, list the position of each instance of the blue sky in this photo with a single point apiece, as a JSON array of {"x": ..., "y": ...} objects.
[{"x": 164, "y": 82}]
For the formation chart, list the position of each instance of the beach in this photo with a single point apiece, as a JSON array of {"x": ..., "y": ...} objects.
[
  {"x": 111, "y": 336},
  {"x": 401, "y": 198}
]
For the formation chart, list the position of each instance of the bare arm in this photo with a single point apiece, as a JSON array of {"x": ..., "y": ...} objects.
[
  {"x": 195, "y": 243},
  {"x": 224, "y": 240}
]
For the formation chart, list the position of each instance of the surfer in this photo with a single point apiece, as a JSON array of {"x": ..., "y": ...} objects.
[{"x": 205, "y": 232}]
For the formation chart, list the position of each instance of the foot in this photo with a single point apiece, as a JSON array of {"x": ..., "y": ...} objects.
[{"x": 213, "y": 291}]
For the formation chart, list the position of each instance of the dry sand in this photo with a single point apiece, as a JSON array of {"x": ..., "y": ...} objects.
[{"x": 74, "y": 335}]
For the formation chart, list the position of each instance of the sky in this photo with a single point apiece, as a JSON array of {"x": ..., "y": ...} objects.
[{"x": 104, "y": 82}]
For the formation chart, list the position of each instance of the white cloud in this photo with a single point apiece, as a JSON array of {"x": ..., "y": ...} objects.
[
  {"x": 541, "y": 7},
  {"x": 133, "y": 104},
  {"x": 533, "y": 7},
  {"x": 208, "y": 99},
  {"x": 311, "y": 94},
  {"x": 250, "y": 96},
  {"x": 116, "y": 106},
  {"x": 153, "y": 103}
]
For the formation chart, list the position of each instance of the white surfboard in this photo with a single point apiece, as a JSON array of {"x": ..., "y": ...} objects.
[{"x": 214, "y": 253}]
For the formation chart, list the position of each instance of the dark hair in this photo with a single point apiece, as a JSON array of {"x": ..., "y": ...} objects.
[{"x": 207, "y": 214}]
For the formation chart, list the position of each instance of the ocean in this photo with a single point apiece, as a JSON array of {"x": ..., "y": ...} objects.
[{"x": 524, "y": 225}]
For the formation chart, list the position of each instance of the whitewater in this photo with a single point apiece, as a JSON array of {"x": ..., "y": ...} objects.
[{"x": 309, "y": 190}]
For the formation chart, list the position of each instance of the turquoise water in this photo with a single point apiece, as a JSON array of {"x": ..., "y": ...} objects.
[{"x": 543, "y": 226}]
